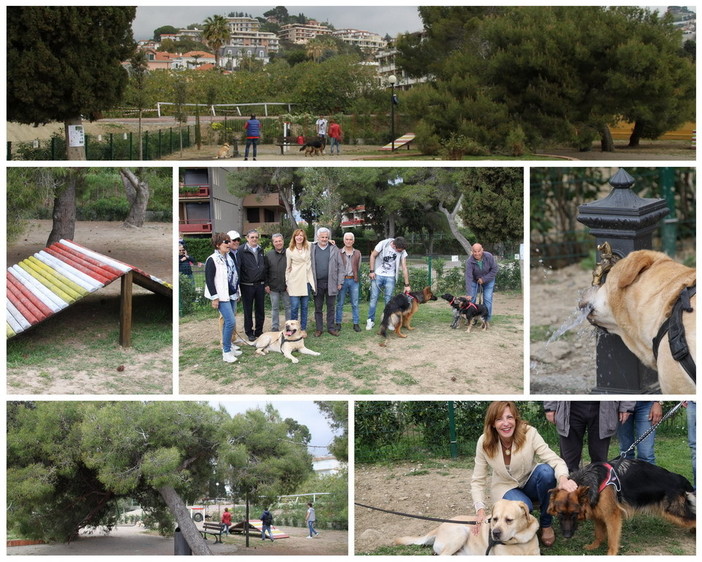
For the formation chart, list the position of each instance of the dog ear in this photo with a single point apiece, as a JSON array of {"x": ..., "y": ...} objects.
[{"x": 629, "y": 268}]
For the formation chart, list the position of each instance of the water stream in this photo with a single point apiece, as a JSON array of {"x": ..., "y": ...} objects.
[{"x": 573, "y": 321}]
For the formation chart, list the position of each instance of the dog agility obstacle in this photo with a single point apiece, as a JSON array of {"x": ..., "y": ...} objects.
[{"x": 58, "y": 276}]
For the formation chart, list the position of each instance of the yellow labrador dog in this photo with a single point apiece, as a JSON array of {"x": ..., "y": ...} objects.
[
  {"x": 223, "y": 151},
  {"x": 292, "y": 338},
  {"x": 638, "y": 296},
  {"x": 510, "y": 526}
]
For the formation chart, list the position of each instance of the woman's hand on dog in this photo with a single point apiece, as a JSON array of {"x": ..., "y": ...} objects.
[
  {"x": 475, "y": 529},
  {"x": 565, "y": 483}
]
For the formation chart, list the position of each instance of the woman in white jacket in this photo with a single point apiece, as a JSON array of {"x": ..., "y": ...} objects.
[
  {"x": 221, "y": 287},
  {"x": 523, "y": 466}
]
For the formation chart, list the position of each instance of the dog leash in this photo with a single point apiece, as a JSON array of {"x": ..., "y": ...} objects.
[
  {"x": 651, "y": 430},
  {"x": 417, "y": 516}
]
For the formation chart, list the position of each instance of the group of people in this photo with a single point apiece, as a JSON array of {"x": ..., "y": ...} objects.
[
  {"x": 329, "y": 133},
  {"x": 267, "y": 522},
  {"x": 521, "y": 466},
  {"x": 321, "y": 271}
]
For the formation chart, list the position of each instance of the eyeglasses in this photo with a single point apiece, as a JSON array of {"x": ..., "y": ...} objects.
[{"x": 226, "y": 241}]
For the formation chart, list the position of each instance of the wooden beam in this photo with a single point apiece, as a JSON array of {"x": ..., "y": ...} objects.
[{"x": 125, "y": 311}]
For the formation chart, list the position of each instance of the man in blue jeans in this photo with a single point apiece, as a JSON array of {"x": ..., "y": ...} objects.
[
  {"x": 646, "y": 414},
  {"x": 253, "y": 135},
  {"x": 351, "y": 258},
  {"x": 386, "y": 260},
  {"x": 481, "y": 270}
]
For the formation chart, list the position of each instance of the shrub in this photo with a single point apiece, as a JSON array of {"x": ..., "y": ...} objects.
[
  {"x": 515, "y": 144},
  {"x": 458, "y": 146}
]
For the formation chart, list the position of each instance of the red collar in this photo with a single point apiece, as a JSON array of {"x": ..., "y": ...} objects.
[{"x": 610, "y": 479}]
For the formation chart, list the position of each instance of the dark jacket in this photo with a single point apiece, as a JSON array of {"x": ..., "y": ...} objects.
[
  {"x": 252, "y": 269},
  {"x": 267, "y": 518},
  {"x": 487, "y": 273},
  {"x": 276, "y": 263},
  {"x": 336, "y": 268},
  {"x": 355, "y": 262}
]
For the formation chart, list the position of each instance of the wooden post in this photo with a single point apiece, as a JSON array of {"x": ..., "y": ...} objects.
[{"x": 125, "y": 311}]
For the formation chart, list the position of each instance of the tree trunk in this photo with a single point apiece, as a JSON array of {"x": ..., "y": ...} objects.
[
  {"x": 141, "y": 142},
  {"x": 635, "y": 137},
  {"x": 137, "y": 195},
  {"x": 76, "y": 152},
  {"x": 64, "y": 215},
  {"x": 187, "y": 526},
  {"x": 451, "y": 218},
  {"x": 606, "y": 140}
]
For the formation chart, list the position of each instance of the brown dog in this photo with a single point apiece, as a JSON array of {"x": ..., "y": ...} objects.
[
  {"x": 400, "y": 309},
  {"x": 636, "y": 299},
  {"x": 223, "y": 152},
  {"x": 511, "y": 527},
  {"x": 644, "y": 487}
]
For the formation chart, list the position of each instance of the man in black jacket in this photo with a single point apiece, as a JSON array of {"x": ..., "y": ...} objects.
[{"x": 252, "y": 280}]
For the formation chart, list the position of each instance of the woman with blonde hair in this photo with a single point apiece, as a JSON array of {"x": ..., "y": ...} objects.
[
  {"x": 298, "y": 276},
  {"x": 523, "y": 466}
]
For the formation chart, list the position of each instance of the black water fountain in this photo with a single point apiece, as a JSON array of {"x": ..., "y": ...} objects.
[{"x": 627, "y": 222}]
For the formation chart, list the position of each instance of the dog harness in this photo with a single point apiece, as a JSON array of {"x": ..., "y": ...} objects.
[
  {"x": 611, "y": 479},
  {"x": 675, "y": 329},
  {"x": 465, "y": 305}
]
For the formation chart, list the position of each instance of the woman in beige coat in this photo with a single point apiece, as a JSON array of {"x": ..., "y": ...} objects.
[
  {"x": 298, "y": 276},
  {"x": 523, "y": 466}
]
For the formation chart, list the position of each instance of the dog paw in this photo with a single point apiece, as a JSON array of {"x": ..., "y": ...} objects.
[
  {"x": 591, "y": 546},
  {"x": 295, "y": 360}
]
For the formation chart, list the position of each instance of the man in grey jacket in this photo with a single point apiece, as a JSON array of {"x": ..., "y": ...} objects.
[
  {"x": 276, "y": 262},
  {"x": 598, "y": 418},
  {"x": 328, "y": 272}
]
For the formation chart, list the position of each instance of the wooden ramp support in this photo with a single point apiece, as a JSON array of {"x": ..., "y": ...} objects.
[
  {"x": 404, "y": 140},
  {"x": 257, "y": 525},
  {"x": 58, "y": 276}
]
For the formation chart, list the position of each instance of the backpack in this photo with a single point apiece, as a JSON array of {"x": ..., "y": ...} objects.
[{"x": 267, "y": 518}]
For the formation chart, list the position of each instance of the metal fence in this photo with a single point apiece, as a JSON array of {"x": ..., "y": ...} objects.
[{"x": 112, "y": 146}]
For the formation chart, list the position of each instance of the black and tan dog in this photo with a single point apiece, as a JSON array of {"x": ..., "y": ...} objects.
[
  {"x": 313, "y": 147},
  {"x": 466, "y": 309},
  {"x": 399, "y": 310},
  {"x": 609, "y": 492}
]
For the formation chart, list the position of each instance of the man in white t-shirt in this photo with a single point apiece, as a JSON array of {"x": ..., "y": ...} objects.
[
  {"x": 321, "y": 125},
  {"x": 386, "y": 260}
]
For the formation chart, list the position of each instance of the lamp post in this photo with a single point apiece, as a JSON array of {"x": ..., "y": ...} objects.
[{"x": 392, "y": 79}]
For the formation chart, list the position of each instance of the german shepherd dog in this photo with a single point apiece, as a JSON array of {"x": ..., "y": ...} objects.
[
  {"x": 399, "y": 310},
  {"x": 609, "y": 492},
  {"x": 464, "y": 308},
  {"x": 313, "y": 147}
]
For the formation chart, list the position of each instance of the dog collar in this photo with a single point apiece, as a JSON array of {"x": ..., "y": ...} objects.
[{"x": 284, "y": 339}]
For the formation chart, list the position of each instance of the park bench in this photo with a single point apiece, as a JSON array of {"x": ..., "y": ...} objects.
[
  {"x": 284, "y": 142},
  {"x": 214, "y": 529}
]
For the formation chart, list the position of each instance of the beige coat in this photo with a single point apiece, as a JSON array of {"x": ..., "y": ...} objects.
[
  {"x": 522, "y": 464},
  {"x": 299, "y": 272}
]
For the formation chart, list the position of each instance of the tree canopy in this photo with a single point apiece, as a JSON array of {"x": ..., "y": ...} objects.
[{"x": 69, "y": 462}]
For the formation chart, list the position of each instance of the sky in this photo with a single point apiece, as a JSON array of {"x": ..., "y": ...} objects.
[
  {"x": 304, "y": 412},
  {"x": 378, "y": 19}
]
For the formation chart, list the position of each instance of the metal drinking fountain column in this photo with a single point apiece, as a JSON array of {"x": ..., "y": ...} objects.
[{"x": 627, "y": 222}]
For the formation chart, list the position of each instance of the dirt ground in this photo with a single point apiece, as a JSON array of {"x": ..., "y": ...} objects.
[
  {"x": 149, "y": 248},
  {"x": 431, "y": 491},
  {"x": 135, "y": 541},
  {"x": 567, "y": 365},
  {"x": 434, "y": 355}
]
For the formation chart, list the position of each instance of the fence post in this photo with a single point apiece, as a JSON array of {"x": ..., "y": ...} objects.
[
  {"x": 429, "y": 263},
  {"x": 112, "y": 146},
  {"x": 9, "y": 150},
  {"x": 452, "y": 430},
  {"x": 146, "y": 145},
  {"x": 627, "y": 222},
  {"x": 160, "y": 145},
  {"x": 131, "y": 145}
]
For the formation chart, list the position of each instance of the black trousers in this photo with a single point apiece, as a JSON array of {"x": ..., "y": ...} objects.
[
  {"x": 320, "y": 298},
  {"x": 584, "y": 418},
  {"x": 253, "y": 297}
]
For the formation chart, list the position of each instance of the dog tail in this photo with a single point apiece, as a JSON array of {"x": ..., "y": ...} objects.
[{"x": 426, "y": 540}]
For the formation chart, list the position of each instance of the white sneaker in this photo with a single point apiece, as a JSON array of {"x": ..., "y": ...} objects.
[
  {"x": 309, "y": 537},
  {"x": 236, "y": 352},
  {"x": 228, "y": 357},
  {"x": 369, "y": 324},
  {"x": 235, "y": 347}
]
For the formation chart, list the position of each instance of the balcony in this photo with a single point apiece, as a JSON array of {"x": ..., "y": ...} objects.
[
  {"x": 270, "y": 200},
  {"x": 195, "y": 227},
  {"x": 194, "y": 192}
]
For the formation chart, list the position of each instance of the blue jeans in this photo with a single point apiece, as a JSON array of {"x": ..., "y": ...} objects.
[
  {"x": 265, "y": 528},
  {"x": 276, "y": 297},
  {"x": 298, "y": 307},
  {"x": 488, "y": 289},
  {"x": 542, "y": 479},
  {"x": 310, "y": 526},
  {"x": 250, "y": 142},
  {"x": 333, "y": 142},
  {"x": 632, "y": 429},
  {"x": 352, "y": 287},
  {"x": 228, "y": 311},
  {"x": 692, "y": 438},
  {"x": 387, "y": 284}
]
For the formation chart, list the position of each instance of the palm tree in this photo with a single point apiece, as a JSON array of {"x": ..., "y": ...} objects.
[{"x": 215, "y": 32}]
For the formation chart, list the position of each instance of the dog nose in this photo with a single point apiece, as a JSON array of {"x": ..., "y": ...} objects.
[{"x": 496, "y": 534}]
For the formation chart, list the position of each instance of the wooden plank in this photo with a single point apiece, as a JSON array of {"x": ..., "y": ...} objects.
[{"x": 125, "y": 311}]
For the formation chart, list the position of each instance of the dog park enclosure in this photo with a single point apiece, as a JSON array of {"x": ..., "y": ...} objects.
[{"x": 65, "y": 272}]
